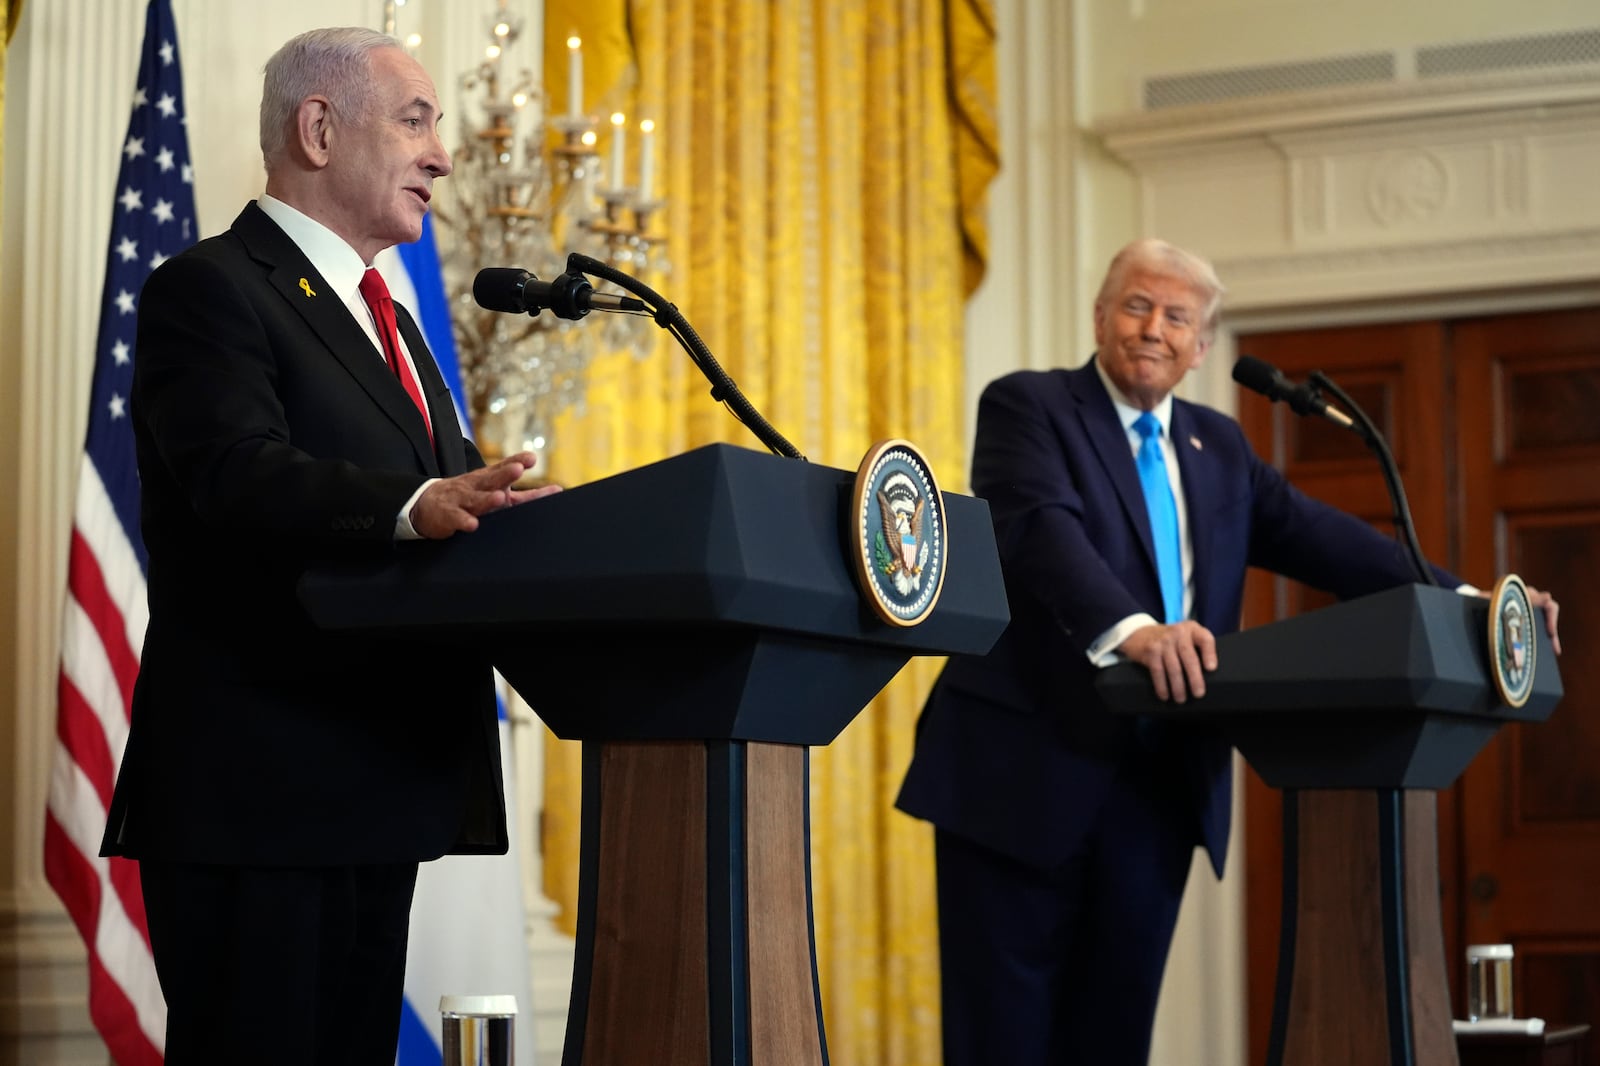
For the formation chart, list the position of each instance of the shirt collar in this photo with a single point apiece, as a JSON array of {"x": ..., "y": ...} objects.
[
  {"x": 1128, "y": 413},
  {"x": 337, "y": 262}
]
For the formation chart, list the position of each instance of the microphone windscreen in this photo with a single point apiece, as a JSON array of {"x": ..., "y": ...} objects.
[
  {"x": 1258, "y": 376},
  {"x": 500, "y": 289}
]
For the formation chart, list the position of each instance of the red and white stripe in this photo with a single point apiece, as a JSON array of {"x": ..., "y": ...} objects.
[{"x": 102, "y": 632}]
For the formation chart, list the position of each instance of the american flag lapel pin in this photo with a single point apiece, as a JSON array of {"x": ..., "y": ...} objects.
[{"x": 305, "y": 286}]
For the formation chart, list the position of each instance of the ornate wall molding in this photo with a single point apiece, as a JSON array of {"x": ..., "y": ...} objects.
[
  {"x": 1371, "y": 193},
  {"x": 1421, "y": 269},
  {"x": 1146, "y": 132}
]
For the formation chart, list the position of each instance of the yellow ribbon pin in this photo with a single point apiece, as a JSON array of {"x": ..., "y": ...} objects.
[{"x": 305, "y": 286}]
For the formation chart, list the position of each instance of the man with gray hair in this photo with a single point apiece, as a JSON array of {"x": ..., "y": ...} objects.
[
  {"x": 281, "y": 784},
  {"x": 1125, "y": 520}
]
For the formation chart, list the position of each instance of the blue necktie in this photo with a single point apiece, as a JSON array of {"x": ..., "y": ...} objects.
[{"x": 1163, "y": 514}]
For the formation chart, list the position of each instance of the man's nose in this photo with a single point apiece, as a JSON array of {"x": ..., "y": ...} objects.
[
  {"x": 438, "y": 161},
  {"x": 1151, "y": 327}
]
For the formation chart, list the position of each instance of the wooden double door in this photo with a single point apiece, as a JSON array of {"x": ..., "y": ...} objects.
[{"x": 1495, "y": 424}]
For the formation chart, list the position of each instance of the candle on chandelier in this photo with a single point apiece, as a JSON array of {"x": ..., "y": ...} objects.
[
  {"x": 647, "y": 158},
  {"x": 618, "y": 136},
  {"x": 574, "y": 77}
]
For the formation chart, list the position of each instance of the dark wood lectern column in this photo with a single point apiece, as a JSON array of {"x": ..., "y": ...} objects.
[
  {"x": 1358, "y": 851},
  {"x": 696, "y": 624},
  {"x": 1359, "y": 712},
  {"x": 648, "y": 805}
]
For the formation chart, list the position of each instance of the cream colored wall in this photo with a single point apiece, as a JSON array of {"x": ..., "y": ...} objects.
[
  {"x": 1133, "y": 39},
  {"x": 1118, "y": 43}
]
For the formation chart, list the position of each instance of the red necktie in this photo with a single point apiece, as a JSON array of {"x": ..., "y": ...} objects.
[{"x": 376, "y": 293}]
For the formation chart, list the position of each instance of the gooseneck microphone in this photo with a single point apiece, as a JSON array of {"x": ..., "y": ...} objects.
[
  {"x": 1262, "y": 377},
  {"x": 571, "y": 296},
  {"x": 1307, "y": 399},
  {"x": 568, "y": 296}
]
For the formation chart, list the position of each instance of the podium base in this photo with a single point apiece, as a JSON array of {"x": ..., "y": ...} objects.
[
  {"x": 1361, "y": 968},
  {"x": 695, "y": 940}
]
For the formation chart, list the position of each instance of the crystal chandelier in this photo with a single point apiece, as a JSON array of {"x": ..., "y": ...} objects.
[{"x": 528, "y": 188}]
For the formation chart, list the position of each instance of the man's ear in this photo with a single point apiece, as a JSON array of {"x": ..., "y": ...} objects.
[
  {"x": 1200, "y": 349},
  {"x": 313, "y": 127}
]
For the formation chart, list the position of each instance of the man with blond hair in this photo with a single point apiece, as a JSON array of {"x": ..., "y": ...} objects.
[{"x": 1125, "y": 520}]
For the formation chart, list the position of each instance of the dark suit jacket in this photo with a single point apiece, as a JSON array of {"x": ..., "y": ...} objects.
[
  {"x": 272, "y": 436},
  {"x": 1014, "y": 749}
]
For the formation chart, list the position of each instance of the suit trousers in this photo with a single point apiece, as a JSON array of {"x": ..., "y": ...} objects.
[
  {"x": 269, "y": 966},
  {"x": 1062, "y": 967}
]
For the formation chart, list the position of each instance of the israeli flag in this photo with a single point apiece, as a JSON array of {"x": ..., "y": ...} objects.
[{"x": 468, "y": 925}]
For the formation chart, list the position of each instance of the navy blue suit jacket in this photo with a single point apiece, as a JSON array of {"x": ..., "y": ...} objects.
[
  {"x": 1014, "y": 749},
  {"x": 271, "y": 438}
]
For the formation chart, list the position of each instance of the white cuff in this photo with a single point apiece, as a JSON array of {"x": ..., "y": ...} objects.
[
  {"x": 403, "y": 529},
  {"x": 1103, "y": 652}
]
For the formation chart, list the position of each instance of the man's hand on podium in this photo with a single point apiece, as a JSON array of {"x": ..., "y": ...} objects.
[
  {"x": 452, "y": 505},
  {"x": 1178, "y": 657},
  {"x": 1543, "y": 601}
]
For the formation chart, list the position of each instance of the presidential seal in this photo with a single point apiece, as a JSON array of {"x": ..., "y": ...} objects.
[
  {"x": 898, "y": 539},
  {"x": 1511, "y": 640}
]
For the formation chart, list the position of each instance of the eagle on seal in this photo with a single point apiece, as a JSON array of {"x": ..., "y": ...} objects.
[{"x": 903, "y": 530}]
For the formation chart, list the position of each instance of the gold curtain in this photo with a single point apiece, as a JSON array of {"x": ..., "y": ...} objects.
[{"x": 824, "y": 165}]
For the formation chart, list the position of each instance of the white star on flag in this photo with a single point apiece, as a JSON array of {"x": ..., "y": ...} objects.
[
  {"x": 125, "y": 302},
  {"x": 128, "y": 249},
  {"x": 119, "y": 353},
  {"x": 162, "y": 211},
  {"x": 119, "y": 406},
  {"x": 167, "y": 105},
  {"x": 134, "y": 148},
  {"x": 164, "y": 159},
  {"x": 131, "y": 200}
]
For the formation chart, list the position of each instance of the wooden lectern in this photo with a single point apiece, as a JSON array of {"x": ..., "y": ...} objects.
[
  {"x": 1359, "y": 712},
  {"x": 697, "y": 624}
]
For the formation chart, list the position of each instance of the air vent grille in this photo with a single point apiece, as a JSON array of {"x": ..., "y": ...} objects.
[
  {"x": 1543, "y": 51},
  {"x": 1516, "y": 53},
  {"x": 1211, "y": 86}
]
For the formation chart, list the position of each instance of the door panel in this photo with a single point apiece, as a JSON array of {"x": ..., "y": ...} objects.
[{"x": 1529, "y": 442}]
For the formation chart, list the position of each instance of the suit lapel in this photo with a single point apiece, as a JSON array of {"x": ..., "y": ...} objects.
[
  {"x": 1199, "y": 475},
  {"x": 1110, "y": 442},
  {"x": 302, "y": 288}
]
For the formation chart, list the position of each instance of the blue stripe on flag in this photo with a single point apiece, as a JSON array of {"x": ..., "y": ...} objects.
[{"x": 417, "y": 1046}]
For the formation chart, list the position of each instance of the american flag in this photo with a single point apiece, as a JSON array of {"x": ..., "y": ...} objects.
[{"x": 105, "y": 611}]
